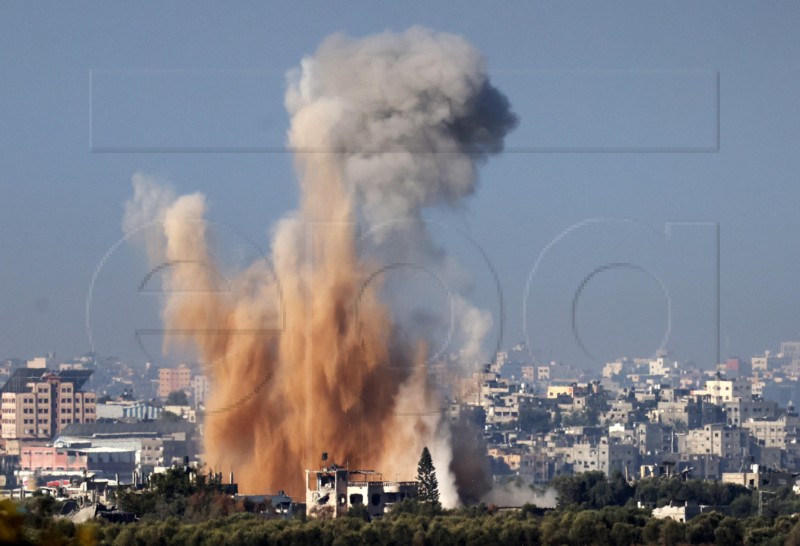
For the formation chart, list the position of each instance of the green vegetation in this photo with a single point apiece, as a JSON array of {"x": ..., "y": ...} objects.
[
  {"x": 592, "y": 490},
  {"x": 33, "y": 522},
  {"x": 180, "y": 508},
  {"x": 184, "y": 494},
  {"x": 533, "y": 420},
  {"x": 428, "y": 488},
  {"x": 478, "y": 525}
]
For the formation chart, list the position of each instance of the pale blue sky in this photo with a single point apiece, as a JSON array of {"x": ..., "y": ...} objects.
[{"x": 618, "y": 108}]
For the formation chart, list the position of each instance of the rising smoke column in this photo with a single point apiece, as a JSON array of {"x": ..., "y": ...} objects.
[{"x": 381, "y": 128}]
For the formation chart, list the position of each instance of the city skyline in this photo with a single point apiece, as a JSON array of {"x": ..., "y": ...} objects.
[
  {"x": 587, "y": 149},
  {"x": 516, "y": 273}
]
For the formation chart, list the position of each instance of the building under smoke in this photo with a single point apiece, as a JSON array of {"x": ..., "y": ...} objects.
[{"x": 331, "y": 491}]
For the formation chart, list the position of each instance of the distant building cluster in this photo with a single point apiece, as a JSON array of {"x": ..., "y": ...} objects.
[
  {"x": 93, "y": 420},
  {"x": 638, "y": 417},
  {"x": 63, "y": 427}
]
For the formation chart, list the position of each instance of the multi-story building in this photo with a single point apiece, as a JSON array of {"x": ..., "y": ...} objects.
[
  {"x": 790, "y": 349},
  {"x": 543, "y": 373},
  {"x": 760, "y": 477},
  {"x": 718, "y": 439},
  {"x": 529, "y": 374},
  {"x": 554, "y": 391},
  {"x": 685, "y": 412},
  {"x": 613, "y": 368},
  {"x": 606, "y": 456},
  {"x": 38, "y": 403},
  {"x": 332, "y": 491},
  {"x": 543, "y": 464},
  {"x": 660, "y": 366},
  {"x": 774, "y": 432},
  {"x": 201, "y": 389},
  {"x": 720, "y": 391},
  {"x": 619, "y": 411},
  {"x": 174, "y": 379},
  {"x": 40, "y": 362},
  {"x": 738, "y": 411},
  {"x": 496, "y": 414},
  {"x": 654, "y": 439},
  {"x": 48, "y": 460},
  {"x": 767, "y": 362},
  {"x": 155, "y": 443},
  {"x": 511, "y": 458},
  {"x": 736, "y": 367}
]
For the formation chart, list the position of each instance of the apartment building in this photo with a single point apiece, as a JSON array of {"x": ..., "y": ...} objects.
[
  {"x": 154, "y": 443},
  {"x": 201, "y": 388},
  {"x": 529, "y": 374},
  {"x": 619, "y": 411},
  {"x": 554, "y": 391},
  {"x": 767, "y": 362},
  {"x": 720, "y": 391},
  {"x": 738, "y": 411},
  {"x": 774, "y": 432},
  {"x": 716, "y": 439},
  {"x": 613, "y": 368},
  {"x": 543, "y": 373},
  {"x": 684, "y": 412},
  {"x": 605, "y": 456},
  {"x": 174, "y": 379},
  {"x": 654, "y": 439},
  {"x": 38, "y": 403}
]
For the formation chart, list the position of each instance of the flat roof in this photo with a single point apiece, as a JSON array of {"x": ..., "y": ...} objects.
[{"x": 18, "y": 382}]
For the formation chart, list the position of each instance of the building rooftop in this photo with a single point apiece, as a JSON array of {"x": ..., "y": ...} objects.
[
  {"x": 22, "y": 376},
  {"x": 88, "y": 430}
]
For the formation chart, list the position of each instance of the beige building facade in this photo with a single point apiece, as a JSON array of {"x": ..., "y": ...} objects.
[{"x": 38, "y": 403}]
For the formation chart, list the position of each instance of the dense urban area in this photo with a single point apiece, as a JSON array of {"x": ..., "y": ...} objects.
[{"x": 650, "y": 451}]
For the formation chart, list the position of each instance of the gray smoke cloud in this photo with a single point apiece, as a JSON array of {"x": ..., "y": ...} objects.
[
  {"x": 513, "y": 494},
  {"x": 410, "y": 115},
  {"x": 382, "y": 128},
  {"x": 149, "y": 205}
]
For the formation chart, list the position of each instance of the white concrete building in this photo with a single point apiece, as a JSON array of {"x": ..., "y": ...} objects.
[{"x": 332, "y": 491}]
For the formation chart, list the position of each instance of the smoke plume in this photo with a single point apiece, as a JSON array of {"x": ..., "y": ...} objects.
[
  {"x": 511, "y": 494},
  {"x": 381, "y": 128}
]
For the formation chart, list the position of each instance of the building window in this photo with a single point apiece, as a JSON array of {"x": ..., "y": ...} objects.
[{"x": 355, "y": 498}]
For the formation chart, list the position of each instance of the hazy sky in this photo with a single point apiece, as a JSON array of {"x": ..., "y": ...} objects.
[{"x": 646, "y": 129}]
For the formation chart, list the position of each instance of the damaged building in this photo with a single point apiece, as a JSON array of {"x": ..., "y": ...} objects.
[{"x": 333, "y": 490}]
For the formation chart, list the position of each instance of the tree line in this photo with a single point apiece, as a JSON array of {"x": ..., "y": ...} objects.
[
  {"x": 416, "y": 524},
  {"x": 179, "y": 509}
]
